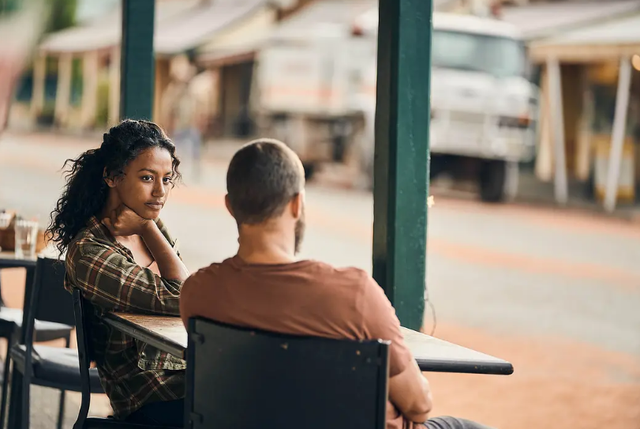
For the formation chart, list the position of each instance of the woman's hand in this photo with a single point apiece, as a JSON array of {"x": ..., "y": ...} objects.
[{"x": 124, "y": 222}]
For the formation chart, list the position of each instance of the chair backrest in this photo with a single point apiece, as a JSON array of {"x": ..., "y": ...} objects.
[
  {"x": 46, "y": 299},
  {"x": 85, "y": 354},
  {"x": 251, "y": 379}
]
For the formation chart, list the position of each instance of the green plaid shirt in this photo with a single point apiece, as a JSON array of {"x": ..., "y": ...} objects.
[{"x": 132, "y": 373}]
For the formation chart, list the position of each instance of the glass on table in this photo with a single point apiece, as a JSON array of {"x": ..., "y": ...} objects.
[{"x": 26, "y": 232}]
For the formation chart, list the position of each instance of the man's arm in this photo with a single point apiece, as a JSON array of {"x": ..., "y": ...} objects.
[{"x": 409, "y": 390}]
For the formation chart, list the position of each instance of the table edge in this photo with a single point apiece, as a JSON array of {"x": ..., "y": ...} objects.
[
  {"x": 465, "y": 367},
  {"x": 143, "y": 334}
]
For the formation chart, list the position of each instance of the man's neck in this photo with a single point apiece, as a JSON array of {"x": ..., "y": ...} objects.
[{"x": 266, "y": 247}]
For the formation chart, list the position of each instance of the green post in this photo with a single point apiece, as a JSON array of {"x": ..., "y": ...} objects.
[
  {"x": 402, "y": 155},
  {"x": 137, "y": 60}
]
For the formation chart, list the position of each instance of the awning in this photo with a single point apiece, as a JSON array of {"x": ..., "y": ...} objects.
[
  {"x": 544, "y": 20},
  {"x": 180, "y": 25},
  {"x": 106, "y": 31},
  {"x": 201, "y": 23},
  {"x": 239, "y": 43},
  {"x": 610, "y": 40}
]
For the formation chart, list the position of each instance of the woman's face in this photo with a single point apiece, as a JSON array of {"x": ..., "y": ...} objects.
[{"x": 146, "y": 182}]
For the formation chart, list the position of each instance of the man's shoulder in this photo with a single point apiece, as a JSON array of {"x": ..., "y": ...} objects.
[
  {"x": 346, "y": 272},
  {"x": 203, "y": 276}
]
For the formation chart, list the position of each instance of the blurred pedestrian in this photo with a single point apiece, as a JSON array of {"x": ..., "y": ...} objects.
[{"x": 180, "y": 113}]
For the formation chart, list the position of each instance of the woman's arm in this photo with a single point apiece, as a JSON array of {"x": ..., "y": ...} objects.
[
  {"x": 112, "y": 282},
  {"x": 169, "y": 263}
]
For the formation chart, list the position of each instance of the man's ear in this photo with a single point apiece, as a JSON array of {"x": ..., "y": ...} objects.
[
  {"x": 107, "y": 179},
  {"x": 228, "y": 204},
  {"x": 296, "y": 205}
]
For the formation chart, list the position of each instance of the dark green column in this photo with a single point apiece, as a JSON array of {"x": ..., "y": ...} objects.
[
  {"x": 402, "y": 155},
  {"x": 137, "y": 61}
]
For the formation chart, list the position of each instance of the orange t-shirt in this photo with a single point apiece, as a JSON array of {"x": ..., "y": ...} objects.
[{"x": 301, "y": 298}]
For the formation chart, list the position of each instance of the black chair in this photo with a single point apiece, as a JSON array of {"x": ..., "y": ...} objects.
[
  {"x": 54, "y": 367},
  {"x": 250, "y": 379},
  {"x": 82, "y": 311},
  {"x": 11, "y": 328}
]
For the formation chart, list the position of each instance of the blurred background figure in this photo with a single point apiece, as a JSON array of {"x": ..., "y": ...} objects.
[
  {"x": 183, "y": 118},
  {"x": 22, "y": 23}
]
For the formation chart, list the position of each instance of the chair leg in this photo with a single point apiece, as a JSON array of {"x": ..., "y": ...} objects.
[
  {"x": 61, "y": 410},
  {"x": 5, "y": 381},
  {"x": 63, "y": 392},
  {"x": 26, "y": 398}
]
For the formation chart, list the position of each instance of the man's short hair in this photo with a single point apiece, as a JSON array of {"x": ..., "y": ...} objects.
[{"x": 263, "y": 177}]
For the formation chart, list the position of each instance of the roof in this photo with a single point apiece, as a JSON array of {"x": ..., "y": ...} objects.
[
  {"x": 180, "y": 25},
  {"x": 105, "y": 31},
  {"x": 607, "y": 40},
  {"x": 201, "y": 23},
  {"x": 541, "y": 20},
  {"x": 474, "y": 24},
  {"x": 325, "y": 18},
  {"x": 368, "y": 22}
]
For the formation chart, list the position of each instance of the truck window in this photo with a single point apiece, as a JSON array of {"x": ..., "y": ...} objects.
[{"x": 498, "y": 56}]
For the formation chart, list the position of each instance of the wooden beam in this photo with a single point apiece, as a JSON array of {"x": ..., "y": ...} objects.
[
  {"x": 63, "y": 90},
  {"x": 39, "y": 76},
  {"x": 90, "y": 70},
  {"x": 583, "y": 53},
  {"x": 618, "y": 134},
  {"x": 114, "y": 87},
  {"x": 401, "y": 166},
  {"x": 561, "y": 187}
]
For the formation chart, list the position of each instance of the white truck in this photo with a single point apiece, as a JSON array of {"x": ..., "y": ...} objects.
[
  {"x": 304, "y": 91},
  {"x": 483, "y": 108}
]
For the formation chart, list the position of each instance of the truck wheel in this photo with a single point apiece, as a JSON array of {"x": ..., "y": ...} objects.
[{"x": 493, "y": 175}]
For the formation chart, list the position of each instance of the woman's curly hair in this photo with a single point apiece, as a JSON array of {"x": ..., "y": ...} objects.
[{"x": 85, "y": 192}]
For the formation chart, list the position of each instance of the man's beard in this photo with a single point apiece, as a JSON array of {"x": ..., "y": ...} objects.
[{"x": 299, "y": 232}]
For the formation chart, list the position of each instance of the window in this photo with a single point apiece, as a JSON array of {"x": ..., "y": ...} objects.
[{"x": 498, "y": 56}]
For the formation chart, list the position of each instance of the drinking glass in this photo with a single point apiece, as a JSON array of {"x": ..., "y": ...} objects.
[{"x": 26, "y": 236}]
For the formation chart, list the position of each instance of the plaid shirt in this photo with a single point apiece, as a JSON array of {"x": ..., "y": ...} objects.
[{"x": 132, "y": 373}]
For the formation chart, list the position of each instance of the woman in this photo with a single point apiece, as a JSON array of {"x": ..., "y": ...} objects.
[{"x": 120, "y": 255}]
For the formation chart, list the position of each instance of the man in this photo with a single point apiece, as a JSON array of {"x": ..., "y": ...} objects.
[{"x": 264, "y": 286}]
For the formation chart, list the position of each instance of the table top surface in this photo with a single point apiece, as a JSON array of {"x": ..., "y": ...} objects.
[
  {"x": 432, "y": 354},
  {"x": 8, "y": 260}
]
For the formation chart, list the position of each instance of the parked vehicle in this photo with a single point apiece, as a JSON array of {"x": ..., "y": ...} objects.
[
  {"x": 483, "y": 108},
  {"x": 318, "y": 95}
]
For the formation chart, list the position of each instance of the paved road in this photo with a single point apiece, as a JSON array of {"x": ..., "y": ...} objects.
[{"x": 563, "y": 285}]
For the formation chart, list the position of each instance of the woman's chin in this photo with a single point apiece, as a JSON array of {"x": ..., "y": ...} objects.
[{"x": 149, "y": 213}]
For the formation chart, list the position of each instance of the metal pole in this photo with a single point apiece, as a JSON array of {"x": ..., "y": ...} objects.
[
  {"x": 137, "y": 59},
  {"x": 557, "y": 124},
  {"x": 401, "y": 163},
  {"x": 617, "y": 135}
]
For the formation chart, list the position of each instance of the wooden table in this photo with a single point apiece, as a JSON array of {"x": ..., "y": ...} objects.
[
  {"x": 8, "y": 260},
  {"x": 432, "y": 354}
]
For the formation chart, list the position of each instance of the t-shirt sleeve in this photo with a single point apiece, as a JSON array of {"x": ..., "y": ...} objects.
[
  {"x": 380, "y": 322},
  {"x": 189, "y": 288},
  {"x": 197, "y": 294}
]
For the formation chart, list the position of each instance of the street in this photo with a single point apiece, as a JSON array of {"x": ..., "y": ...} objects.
[{"x": 555, "y": 292}]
